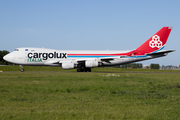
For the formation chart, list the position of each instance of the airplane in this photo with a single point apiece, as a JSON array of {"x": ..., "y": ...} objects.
[{"x": 84, "y": 60}]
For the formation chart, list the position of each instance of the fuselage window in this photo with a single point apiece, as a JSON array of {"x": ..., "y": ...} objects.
[{"x": 16, "y": 49}]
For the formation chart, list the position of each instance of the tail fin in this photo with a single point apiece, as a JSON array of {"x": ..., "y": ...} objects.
[{"x": 156, "y": 42}]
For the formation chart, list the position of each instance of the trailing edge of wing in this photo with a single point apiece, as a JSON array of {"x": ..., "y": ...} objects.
[
  {"x": 107, "y": 60},
  {"x": 51, "y": 62},
  {"x": 101, "y": 59}
]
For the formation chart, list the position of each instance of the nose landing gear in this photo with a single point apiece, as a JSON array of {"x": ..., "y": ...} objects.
[{"x": 21, "y": 68}]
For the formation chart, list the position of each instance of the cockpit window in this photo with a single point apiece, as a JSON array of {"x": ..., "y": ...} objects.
[{"x": 16, "y": 49}]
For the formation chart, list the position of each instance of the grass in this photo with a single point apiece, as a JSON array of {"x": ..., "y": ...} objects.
[{"x": 97, "y": 95}]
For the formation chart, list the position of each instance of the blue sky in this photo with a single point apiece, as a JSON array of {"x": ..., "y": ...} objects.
[{"x": 89, "y": 25}]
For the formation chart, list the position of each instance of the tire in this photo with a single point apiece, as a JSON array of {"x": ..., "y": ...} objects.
[{"x": 22, "y": 70}]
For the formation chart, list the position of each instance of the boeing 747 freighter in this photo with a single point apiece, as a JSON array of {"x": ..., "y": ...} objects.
[{"x": 84, "y": 60}]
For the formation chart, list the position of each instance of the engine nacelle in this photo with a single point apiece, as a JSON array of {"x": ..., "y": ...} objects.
[
  {"x": 91, "y": 63},
  {"x": 67, "y": 65}
]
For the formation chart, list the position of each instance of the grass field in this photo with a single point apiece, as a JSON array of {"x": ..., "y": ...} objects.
[{"x": 50, "y": 93}]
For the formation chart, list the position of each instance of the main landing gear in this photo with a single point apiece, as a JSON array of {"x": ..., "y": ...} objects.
[
  {"x": 21, "y": 68},
  {"x": 83, "y": 69}
]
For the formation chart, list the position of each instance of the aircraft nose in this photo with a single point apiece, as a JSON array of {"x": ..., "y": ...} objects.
[{"x": 7, "y": 58}]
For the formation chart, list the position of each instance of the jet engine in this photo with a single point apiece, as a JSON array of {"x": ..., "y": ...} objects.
[
  {"x": 91, "y": 63},
  {"x": 68, "y": 65}
]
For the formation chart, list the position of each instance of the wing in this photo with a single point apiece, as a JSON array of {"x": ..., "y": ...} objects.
[{"x": 76, "y": 61}]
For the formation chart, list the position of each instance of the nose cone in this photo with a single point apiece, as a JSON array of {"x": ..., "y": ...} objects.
[{"x": 8, "y": 58}]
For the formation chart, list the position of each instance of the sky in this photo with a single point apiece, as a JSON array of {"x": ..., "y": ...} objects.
[{"x": 89, "y": 25}]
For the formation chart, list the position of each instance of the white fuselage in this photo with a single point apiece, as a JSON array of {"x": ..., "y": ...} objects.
[{"x": 51, "y": 57}]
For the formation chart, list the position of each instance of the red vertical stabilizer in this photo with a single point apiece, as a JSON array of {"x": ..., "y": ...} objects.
[{"x": 156, "y": 42}]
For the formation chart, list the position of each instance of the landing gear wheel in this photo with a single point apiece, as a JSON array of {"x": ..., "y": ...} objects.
[
  {"x": 22, "y": 70},
  {"x": 82, "y": 68},
  {"x": 89, "y": 70}
]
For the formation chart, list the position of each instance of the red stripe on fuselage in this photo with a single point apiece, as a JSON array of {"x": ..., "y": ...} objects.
[
  {"x": 131, "y": 53},
  {"x": 118, "y": 54}
]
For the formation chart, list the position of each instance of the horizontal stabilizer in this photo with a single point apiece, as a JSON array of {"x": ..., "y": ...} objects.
[{"x": 161, "y": 52}]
